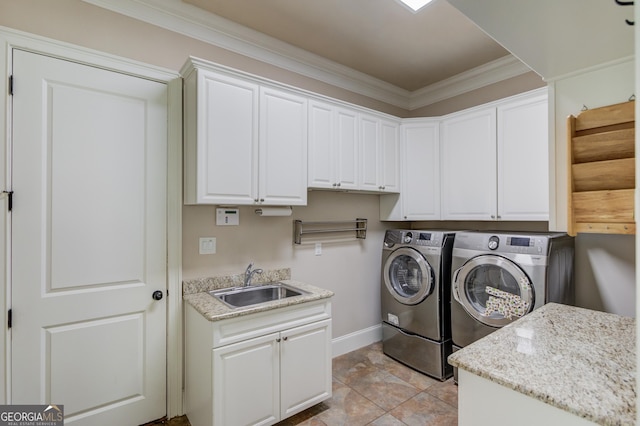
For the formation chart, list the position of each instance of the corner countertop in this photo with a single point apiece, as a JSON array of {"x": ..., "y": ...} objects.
[
  {"x": 575, "y": 359},
  {"x": 195, "y": 293}
]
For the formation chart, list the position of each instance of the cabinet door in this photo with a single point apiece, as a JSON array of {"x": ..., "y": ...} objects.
[
  {"x": 468, "y": 167},
  {"x": 523, "y": 160},
  {"x": 421, "y": 171},
  {"x": 305, "y": 363},
  {"x": 246, "y": 382},
  {"x": 221, "y": 154},
  {"x": 322, "y": 173},
  {"x": 346, "y": 139},
  {"x": 369, "y": 153},
  {"x": 389, "y": 175},
  {"x": 283, "y": 148}
]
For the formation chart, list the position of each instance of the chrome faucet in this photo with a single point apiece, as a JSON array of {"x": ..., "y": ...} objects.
[{"x": 248, "y": 274}]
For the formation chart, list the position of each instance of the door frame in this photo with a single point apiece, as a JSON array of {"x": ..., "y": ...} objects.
[{"x": 11, "y": 39}]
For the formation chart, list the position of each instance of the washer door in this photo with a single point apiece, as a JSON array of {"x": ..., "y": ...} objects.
[
  {"x": 493, "y": 290},
  {"x": 408, "y": 276}
]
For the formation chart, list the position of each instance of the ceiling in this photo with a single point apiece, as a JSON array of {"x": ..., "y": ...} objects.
[{"x": 381, "y": 38}]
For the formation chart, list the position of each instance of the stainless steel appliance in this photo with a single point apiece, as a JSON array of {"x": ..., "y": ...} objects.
[
  {"x": 415, "y": 296},
  {"x": 499, "y": 277}
]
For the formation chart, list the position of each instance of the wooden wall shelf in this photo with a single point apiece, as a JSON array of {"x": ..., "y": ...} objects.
[{"x": 601, "y": 154}]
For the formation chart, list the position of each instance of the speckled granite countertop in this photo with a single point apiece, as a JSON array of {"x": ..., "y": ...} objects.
[
  {"x": 575, "y": 359},
  {"x": 195, "y": 292}
]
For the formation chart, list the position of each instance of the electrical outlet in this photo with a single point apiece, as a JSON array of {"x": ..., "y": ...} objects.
[
  {"x": 318, "y": 249},
  {"x": 208, "y": 245}
]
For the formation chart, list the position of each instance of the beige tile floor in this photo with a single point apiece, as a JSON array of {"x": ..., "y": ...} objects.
[{"x": 370, "y": 388}]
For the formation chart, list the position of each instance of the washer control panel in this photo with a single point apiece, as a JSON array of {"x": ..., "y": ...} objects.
[{"x": 410, "y": 237}]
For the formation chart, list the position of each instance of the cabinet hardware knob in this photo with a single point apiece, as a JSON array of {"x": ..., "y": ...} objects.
[
  {"x": 262, "y": 200},
  {"x": 338, "y": 184},
  {"x": 493, "y": 217},
  {"x": 278, "y": 340},
  {"x": 285, "y": 338}
]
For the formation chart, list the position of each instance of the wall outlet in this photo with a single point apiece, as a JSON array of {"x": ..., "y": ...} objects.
[
  {"x": 208, "y": 245},
  {"x": 318, "y": 249}
]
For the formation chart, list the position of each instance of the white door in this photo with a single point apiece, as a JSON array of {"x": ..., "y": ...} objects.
[{"x": 88, "y": 245}]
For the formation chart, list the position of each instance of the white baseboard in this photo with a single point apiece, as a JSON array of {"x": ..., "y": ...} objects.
[{"x": 356, "y": 340}]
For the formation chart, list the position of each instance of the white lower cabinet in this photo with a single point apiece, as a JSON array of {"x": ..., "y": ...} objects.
[{"x": 261, "y": 368}]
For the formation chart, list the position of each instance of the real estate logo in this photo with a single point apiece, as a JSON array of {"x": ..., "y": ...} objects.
[{"x": 31, "y": 415}]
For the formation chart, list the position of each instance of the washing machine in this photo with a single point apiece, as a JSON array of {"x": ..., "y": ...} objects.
[
  {"x": 498, "y": 277},
  {"x": 415, "y": 297}
]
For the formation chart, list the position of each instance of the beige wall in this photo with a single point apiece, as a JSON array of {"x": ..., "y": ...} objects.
[
  {"x": 350, "y": 269},
  {"x": 605, "y": 264}
]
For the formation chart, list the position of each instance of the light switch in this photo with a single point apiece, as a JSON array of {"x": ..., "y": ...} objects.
[{"x": 208, "y": 245}]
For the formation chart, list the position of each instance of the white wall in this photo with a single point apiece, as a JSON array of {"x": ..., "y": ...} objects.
[{"x": 605, "y": 264}]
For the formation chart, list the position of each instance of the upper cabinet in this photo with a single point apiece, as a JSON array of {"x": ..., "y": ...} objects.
[
  {"x": 245, "y": 141},
  {"x": 351, "y": 150},
  {"x": 495, "y": 161},
  {"x": 333, "y": 146},
  {"x": 469, "y": 166},
  {"x": 419, "y": 198}
]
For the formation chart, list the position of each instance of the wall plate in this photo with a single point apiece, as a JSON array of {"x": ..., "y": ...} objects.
[{"x": 227, "y": 216}]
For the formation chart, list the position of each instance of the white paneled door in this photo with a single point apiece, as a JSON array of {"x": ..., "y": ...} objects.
[{"x": 88, "y": 247}]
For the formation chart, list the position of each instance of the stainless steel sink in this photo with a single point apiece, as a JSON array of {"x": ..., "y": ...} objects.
[{"x": 252, "y": 295}]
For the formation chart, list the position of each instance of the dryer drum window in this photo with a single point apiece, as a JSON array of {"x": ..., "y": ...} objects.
[{"x": 493, "y": 290}]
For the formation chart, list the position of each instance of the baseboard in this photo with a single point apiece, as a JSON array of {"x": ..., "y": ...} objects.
[{"x": 356, "y": 340}]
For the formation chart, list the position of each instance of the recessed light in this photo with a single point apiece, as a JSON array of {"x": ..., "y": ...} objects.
[{"x": 415, "y": 5}]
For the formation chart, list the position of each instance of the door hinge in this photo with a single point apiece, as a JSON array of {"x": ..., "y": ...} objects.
[
  {"x": 10, "y": 85},
  {"x": 9, "y": 319},
  {"x": 9, "y": 196}
]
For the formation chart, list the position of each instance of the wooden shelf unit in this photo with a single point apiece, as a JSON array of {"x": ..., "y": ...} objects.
[{"x": 601, "y": 156}]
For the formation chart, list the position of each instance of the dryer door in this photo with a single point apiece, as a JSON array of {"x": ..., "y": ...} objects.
[
  {"x": 492, "y": 289},
  {"x": 408, "y": 276}
]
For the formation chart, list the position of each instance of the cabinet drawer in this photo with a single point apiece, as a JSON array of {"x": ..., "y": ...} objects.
[{"x": 249, "y": 326}]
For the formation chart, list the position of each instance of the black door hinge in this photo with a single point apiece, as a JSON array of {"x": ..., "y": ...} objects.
[
  {"x": 10, "y": 85},
  {"x": 9, "y": 195},
  {"x": 9, "y": 319}
]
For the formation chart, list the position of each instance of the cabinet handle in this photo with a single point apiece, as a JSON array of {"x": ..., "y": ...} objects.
[
  {"x": 493, "y": 216},
  {"x": 278, "y": 340},
  {"x": 338, "y": 184},
  {"x": 499, "y": 217},
  {"x": 285, "y": 338}
]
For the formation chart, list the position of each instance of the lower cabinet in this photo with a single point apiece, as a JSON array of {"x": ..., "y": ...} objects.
[{"x": 282, "y": 369}]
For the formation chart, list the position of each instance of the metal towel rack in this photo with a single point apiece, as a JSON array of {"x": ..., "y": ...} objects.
[{"x": 300, "y": 228}]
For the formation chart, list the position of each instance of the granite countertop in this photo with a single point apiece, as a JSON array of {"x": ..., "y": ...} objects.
[
  {"x": 195, "y": 293},
  {"x": 575, "y": 359}
]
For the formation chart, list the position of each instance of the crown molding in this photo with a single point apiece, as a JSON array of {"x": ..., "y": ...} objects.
[{"x": 188, "y": 20}]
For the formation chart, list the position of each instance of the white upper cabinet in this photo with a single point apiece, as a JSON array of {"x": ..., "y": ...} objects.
[
  {"x": 419, "y": 198},
  {"x": 389, "y": 166},
  {"x": 333, "y": 147},
  {"x": 523, "y": 159},
  {"x": 495, "y": 161},
  {"x": 245, "y": 143},
  {"x": 379, "y": 154},
  {"x": 283, "y": 148},
  {"x": 350, "y": 150},
  {"x": 469, "y": 166}
]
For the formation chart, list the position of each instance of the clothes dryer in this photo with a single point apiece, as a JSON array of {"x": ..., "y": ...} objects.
[
  {"x": 415, "y": 297},
  {"x": 497, "y": 277}
]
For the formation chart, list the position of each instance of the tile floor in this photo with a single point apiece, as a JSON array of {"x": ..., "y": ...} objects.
[{"x": 370, "y": 388}]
